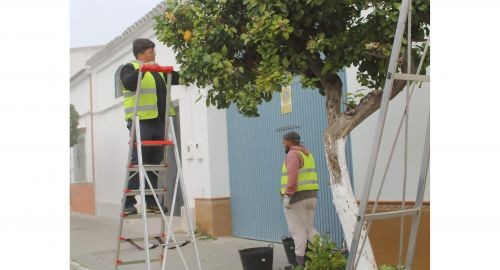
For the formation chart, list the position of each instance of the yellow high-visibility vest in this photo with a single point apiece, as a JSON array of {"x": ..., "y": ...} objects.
[
  {"x": 147, "y": 107},
  {"x": 307, "y": 179}
]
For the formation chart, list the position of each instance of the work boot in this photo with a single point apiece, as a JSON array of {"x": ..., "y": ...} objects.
[
  {"x": 130, "y": 210},
  {"x": 153, "y": 208},
  {"x": 300, "y": 260}
]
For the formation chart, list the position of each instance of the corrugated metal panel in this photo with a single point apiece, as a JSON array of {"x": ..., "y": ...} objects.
[{"x": 255, "y": 158}]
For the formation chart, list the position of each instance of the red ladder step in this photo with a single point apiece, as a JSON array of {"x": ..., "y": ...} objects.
[{"x": 156, "y": 143}]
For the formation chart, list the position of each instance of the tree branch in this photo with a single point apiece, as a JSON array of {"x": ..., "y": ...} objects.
[
  {"x": 346, "y": 122},
  {"x": 332, "y": 86}
]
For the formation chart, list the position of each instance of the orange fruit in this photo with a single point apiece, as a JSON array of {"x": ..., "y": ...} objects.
[{"x": 187, "y": 35}]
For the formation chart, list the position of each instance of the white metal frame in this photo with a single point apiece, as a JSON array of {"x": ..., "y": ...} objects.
[{"x": 364, "y": 219}]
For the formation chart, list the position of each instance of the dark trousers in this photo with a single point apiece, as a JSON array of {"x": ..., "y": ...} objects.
[{"x": 152, "y": 155}]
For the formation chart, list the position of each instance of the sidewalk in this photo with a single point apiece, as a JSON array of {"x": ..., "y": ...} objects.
[{"x": 93, "y": 246}]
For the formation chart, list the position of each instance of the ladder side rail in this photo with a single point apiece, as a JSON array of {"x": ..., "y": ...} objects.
[
  {"x": 166, "y": 135},
  {"x": 164, "y": 219},
  {"x": 184, "y": 194},
  {"x": 406, "y": 113},
  {"x": 420, "y": 197},
  {"x": 169, "y": 226},
  {"x": 129, "y": 160},
  {"x": 165, "y": 148},
  {"x": 384, "y": 177},
  {"x": 378, "y": 134},
  {"x": 143, "y": 196},
  {"x": 411, "y": 91}
]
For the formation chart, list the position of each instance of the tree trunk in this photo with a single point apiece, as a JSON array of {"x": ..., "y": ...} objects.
[
  {"x": 343, "y": 197},
  {"x": 340, "y": 184}
]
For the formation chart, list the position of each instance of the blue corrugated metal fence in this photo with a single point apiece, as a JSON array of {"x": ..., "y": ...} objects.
[{"x": 255, "y": 158}]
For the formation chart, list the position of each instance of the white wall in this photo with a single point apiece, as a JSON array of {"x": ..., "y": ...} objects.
[
  {"x": 80, "y": 98},
  {"x": 362, "y": 139},
  {"x": 195, "y": 161},
  {"x": 218, "y": 148}
]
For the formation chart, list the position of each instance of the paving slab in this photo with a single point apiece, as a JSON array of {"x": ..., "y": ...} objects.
[{"x": 93, "y": 247}]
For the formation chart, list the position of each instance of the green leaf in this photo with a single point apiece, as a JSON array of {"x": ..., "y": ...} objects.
[
  {"x": 223, "y": 50},
  {"x": 262, "y": 8}
]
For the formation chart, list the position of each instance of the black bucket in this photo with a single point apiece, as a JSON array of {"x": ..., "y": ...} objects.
[
  {"x": 259, "y": 258},
  {"x": 289, "y": 246}
]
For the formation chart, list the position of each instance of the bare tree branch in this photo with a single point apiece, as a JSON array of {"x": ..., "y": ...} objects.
[
  {"x": 368, "y": 105},
  {"x": 332, "y": 86}
]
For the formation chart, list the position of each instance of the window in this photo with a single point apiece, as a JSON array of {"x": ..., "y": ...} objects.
[{"x": 118, "y": 90}]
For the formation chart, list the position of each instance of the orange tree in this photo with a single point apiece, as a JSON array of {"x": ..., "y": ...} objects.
[{"x": 243, "y": 51}]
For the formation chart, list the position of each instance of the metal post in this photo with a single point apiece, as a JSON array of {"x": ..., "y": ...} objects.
[
  {"x": 129, "y": 160},
  {"x": 422, "y": 182},
  {"x": 165, "y": 148},
  {"x": 143, "y": 195},
  {"x": 174, "y": 199},
  {"x": 384, "y": 177},
  {"x": 164, "y": 219},
  {"x": 184, "y": 194},
  {"x": 407, "y": 109},
  {"x": 396, "y": 46}
]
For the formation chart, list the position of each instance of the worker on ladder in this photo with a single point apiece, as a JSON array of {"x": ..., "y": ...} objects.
[
  {"x": 299, "y": 189},
  {"x": 151, "y": 112}
]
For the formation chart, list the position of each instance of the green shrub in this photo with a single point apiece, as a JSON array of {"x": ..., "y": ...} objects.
[{"x": 324, "y": 255}]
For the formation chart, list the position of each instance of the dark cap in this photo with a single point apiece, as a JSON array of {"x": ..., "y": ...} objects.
[{"x": 292, "y": 136}]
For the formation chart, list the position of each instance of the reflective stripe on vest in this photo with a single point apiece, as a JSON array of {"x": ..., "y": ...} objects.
[
  {"x": 141, "y": 108},
  {"x": 307, "y": 178},
  {"x": 143, "y": 91},
  {"x": 301, "y": 171}
]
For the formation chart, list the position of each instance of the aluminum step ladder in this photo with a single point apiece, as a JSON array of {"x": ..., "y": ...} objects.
[
  {"x": 166, "y": 238},
  {"x": 364, "y": 219}
]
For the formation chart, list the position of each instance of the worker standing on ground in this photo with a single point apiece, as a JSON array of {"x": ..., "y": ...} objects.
[
  {"x": 151, "y": 112},
  {"x": 299, "y": 188}
]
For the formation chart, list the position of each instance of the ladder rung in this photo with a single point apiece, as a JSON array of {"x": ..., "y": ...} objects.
[
  {"x": 146, "y": 192},
  {"x": 139, "y": 215},
  {"x": 120, "y": 262},
  {"x": 151, "y": 237},
  {"x": 157, "y": 143},
  {"x": 391, "y": 214},
  {"x": 411, "y": 77},
  {"x": 148, "y": 168}
]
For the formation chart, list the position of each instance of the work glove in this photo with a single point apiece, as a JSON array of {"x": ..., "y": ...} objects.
[{"x": 286, "y": 201}]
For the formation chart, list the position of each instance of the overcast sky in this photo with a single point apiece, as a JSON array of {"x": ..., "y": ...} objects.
[{"x": 96, "y": 22}]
